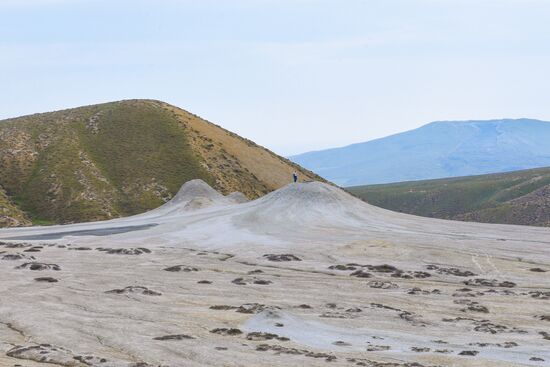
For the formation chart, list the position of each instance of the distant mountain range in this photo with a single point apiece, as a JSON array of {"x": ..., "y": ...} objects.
[
  {"x": 121, "y": 158},
  {"x": 436, "y": 150}
]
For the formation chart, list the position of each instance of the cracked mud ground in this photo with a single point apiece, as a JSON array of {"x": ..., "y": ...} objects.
[{"x": 323, "y": 280}]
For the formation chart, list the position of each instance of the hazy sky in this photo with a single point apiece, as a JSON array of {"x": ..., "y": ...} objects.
[{"x": 292, "y": 75}]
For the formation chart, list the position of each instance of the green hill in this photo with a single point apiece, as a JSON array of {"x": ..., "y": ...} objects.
[
  {"x": 519, "y": 197},
  {"x": 10, "y": 214},
  {"x": 122, "y": 158}
]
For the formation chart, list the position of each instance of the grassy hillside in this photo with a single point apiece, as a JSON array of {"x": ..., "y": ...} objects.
[
  {"x": 520, "y": 197},
  {"x": 122, "y": 158},
  {"x": 10, "y": 214}
]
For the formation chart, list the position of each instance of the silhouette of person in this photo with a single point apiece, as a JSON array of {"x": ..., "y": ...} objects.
[{"x": 295, "y": 177}]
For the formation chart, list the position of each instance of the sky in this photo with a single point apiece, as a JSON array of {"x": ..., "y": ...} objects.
[{"x": 292, "y": 75}]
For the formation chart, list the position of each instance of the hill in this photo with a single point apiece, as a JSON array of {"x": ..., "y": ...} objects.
[
  {"x": 122, "y": 158},
  {"x": 10, "y": 214},
  {"x": 521, "y": 197},
  {"x": 437, "y": 150}
]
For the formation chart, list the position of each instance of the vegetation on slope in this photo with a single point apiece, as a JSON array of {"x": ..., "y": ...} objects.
[
  {"x": 122, "y": 158},
  {"x": 519, "y": 197},
  {"x": 10, "y": 214}
]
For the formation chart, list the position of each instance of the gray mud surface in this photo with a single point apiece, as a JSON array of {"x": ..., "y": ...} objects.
[
  {"x": 84, "y": 232},
  {"x": 305, "y": 276}
]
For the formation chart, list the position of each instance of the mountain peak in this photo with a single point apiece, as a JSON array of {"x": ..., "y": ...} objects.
[
  {"x": 436, "y": 150},
  {"x": 503, "y": 121}
]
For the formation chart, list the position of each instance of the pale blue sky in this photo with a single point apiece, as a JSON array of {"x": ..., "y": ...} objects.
[{"x": 292, "y": 75}]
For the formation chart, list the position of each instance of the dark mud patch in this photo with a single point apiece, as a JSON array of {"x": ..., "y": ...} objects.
[
  {"x": 382, "y": 285},
  {"x": 34, "y": 249},
  {"x": 135, "y": 290},
  {"x": 223, "y": 307},
  {"x": 489, "y": 283},
  {"x": 363, "y": 362},
  {"x": 125, "y": 251},
  {"x": 226, "y": 331},
  {"x": 17, "y": 256},
  {"x": 251, "y": 308},
  {"x": 361, "y": 274},
  {"x": 420, "y": 349},
  {"x": 359, "y": 271},
  {"x": 260, "y": 336},
  {"x": 377, "y": 348},
  {"x": 384, "y": 268},
  {"x": 342, "y": 267},
  {"x": 256, "y": 271},
  {"x": 247, "y": 308},
  {"x": 408, "y": 316},
  {"x": 46, "y": 280},
  {"x": 94, "y": 361},
  {"x": 417, "y": 291},
  {"x": 179, "y": 268},
  {"x": 81, "y": 248},
  {"x": 467, "y": 292},
  {"x": 254, "y": 280},
  {"x": 278, "y": 349},
  {"x": 46, "y": 353},
  {"x": 505, "y": 345},
  {"x": 282, "y": 257},
  {"x": 469, "y": 353},
  {"x": 451, "y": 271},
  {"x": 411, "y": 274},
  {"x": 174, "y": 337},
  {"x": 540, "y": 295},
  {"x": 36, "y": 266},
  {"x": 341, "y": 343},
  {"x": 486, "y": 326},
  {"x": 471, "y": 306},
  {"x": 341, "y": 312},
  {"x": 338, "y": 315},
  {"x": 14, "y": 245}
]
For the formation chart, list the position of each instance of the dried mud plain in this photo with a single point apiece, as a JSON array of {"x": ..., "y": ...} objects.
[{"x": 305, "y": 276}]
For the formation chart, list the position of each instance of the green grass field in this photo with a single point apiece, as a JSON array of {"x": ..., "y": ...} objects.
[{"x": 519, "y": 197}]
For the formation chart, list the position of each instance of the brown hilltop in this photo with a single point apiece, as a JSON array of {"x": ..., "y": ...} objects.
[{"x": 122, "y": 158}]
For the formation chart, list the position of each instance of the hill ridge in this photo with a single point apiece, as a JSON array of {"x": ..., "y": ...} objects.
[
  {"x": 519, "y": 197},
  {"x": 436, "y": 150},
  {"x": 121, "y": 158}
]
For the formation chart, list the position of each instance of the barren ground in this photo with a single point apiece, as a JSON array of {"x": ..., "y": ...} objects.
[{"x": 307, "y": 275}]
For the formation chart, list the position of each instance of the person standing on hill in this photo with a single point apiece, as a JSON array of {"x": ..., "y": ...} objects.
[{"x": 294, "y": 176}]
